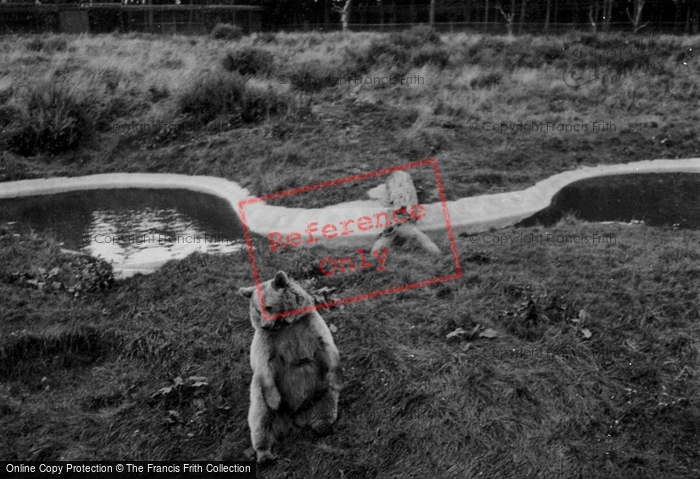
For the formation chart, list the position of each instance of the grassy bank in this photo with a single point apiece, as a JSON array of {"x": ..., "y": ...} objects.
[
  {"x": 263, "y": 113},
  {"x": 81, "y": 375}
]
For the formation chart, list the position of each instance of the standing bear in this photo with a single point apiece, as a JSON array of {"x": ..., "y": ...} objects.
[{"x": 296, "y": 367}]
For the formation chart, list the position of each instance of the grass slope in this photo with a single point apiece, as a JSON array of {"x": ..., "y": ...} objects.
[
  {"x": 74, "y": 105},
  {"x": 81, "y": 376}
]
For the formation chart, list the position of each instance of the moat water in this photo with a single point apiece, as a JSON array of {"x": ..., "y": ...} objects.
[
  {"x": 657, "y": 199},
  {"x": 129, "y": 226},
  {"x": 137, "y": 226}
]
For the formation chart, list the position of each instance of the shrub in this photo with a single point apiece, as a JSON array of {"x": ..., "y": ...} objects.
[
  {"x": 312, "y": 76},
  {"x": 266, "y": 37},
  {"x": 381, "y": 52},
  {"x": 230, "y": 94},
  {"x": 248, "y": 61},
  {"x": 51, "y": 120},
  {"x": 418, "y": 46},
  {"x": 552, "y": 53},
  {"x": 416, "y": 37},
  {"x": 158, "y": 93},
  {"x": 431, "y": 54},
  {"x": 226, "y": 31},
  {"x": 486, "y": 81},
  {"x": 48, "y": 45}
]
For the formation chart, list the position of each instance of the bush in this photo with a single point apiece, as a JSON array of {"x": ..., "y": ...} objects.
[
  {"x": 266, "y": 37},
  {"x": 312, "y": 76},
  {"x": 248, "y": 61},
  {"x": 51, "y": 120},
  {"x": 48, "y": 45},
  {"x": 431, "y": 54},
  {"x": 230, "y": 94},
  {"x": 415, "y": 47},
  {"x": 226, "y": 31},
  {"x": 380, "y": 52},
  {"x": 416, "y": 37},
  {"x": 486, "y": 81}
]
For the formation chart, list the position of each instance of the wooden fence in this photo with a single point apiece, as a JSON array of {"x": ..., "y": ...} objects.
[{"x": 24, "y": 17}]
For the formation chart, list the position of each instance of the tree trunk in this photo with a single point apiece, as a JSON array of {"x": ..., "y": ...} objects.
[
  {"x": 593, "y": 16},
  {"x": 546, "y": 17},
  {"x": 344, "y": 14},
  {"x": 344, "y": 19},
  {"x": 636, "y": 17},
  {"x": 522, "y": 17},
  {"x": 431, "y": 15},
  {"x": 486, "y": 15},
  {"x": 467, "y": 10},
  {"x": 149, "y": 17}
]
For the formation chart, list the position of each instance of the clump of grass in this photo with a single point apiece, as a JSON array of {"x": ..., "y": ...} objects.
[
  {"x": 416, "y": 36},
  {"x": 312, "y": 76},
  {"x": 227, "y": 31},
  {"x": 535, "y": 316},
  {"x": 51, "y": 119},
  {"x": 486, "y": 80},
  {"x": 230, "y": 94},
  {"x": 248, "y": 61},
  {"x": 30, "y": 352},
  {"x": 399, "y": 51},
  {"x": 431, "y": 55},
  {"x": 380, "y": 52},
  {"x": 158, "y": 93},
  {"x": 266, "y": 37},
  {"x": 47, "y": 45},
  {"x": 277, "y": 171}
]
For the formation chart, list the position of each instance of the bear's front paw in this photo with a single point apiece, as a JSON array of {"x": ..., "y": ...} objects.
[
  {"x": 273, "y": 398},
  {"x": 265, "y": 456}
]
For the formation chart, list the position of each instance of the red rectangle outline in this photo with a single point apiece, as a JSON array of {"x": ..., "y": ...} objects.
[{"x": 340, "y": 181}]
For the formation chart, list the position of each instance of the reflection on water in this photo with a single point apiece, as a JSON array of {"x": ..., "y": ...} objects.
[
  {"x": 658, "y": 199},
  {"x": 136, "y": 229}
]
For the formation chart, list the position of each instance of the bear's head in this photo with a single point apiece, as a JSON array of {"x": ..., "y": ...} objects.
[{"x": 280, "y": 295}]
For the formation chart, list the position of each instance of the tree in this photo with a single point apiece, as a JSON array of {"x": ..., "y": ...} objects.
[
  {"x": 486, "y": 14},
  {"x": 593, "y": 16},
  {"x": 522, "y": 15},
  {"x": 508, "y": 17},
  {"x": 637, "y": 17},
  {"x": 344, "y": 14},
  {"x": 607, "y": 14},
  {"x": 466, "y": 5}
]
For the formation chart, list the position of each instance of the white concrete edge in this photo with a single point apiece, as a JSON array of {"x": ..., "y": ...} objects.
[{"x": 472, "y": 214}]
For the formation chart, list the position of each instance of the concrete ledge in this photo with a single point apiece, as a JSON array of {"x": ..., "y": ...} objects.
[
  {"x": 473, "y": 215},
  {"x": 482, "y": 213}
]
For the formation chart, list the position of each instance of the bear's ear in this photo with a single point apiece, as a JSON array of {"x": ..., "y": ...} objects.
[
  {"x": 281, "y": 281},
  {"x": 247, "y": 292}
]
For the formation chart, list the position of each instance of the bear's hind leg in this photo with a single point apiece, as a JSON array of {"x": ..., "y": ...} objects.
[
  {"x": 260, "y": 421},
  {"x": 323, "y": 413}
]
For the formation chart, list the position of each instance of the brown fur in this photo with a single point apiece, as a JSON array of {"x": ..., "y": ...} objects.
[{"x": 296, "y": 366}]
